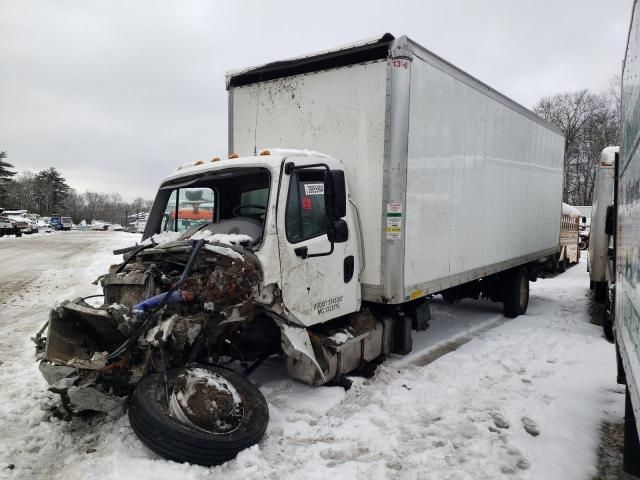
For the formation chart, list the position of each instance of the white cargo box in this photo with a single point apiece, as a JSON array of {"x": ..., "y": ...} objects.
[{"x": 453, "y": 181}]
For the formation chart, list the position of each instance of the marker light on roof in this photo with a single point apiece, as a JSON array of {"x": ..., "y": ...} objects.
[
  {"x": 198, "y": 162},
  {"x": 215, "y": 159},
  {"x": 233, "y": 155},
  {"x": 179, "y": 167},
  {"x": 265, "y": 152}
]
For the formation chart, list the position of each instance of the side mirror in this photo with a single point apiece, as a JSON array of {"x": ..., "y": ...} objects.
[
  {"x": 338, "y": 232},
  {"x": 335, "y": 194}
]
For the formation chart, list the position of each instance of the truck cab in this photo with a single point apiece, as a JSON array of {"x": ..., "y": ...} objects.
[{"x": 276, "y": 200}]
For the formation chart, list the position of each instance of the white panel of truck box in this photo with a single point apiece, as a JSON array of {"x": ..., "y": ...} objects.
[
  {"x": 339, "y": 112},
  {"x": 483, "y": 181}
]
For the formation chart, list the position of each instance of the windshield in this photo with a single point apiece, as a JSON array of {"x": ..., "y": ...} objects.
[{"x": 227, "y": 202}]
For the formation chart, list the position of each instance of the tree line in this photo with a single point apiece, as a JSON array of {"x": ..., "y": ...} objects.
[
  {"x": 47, "y": 192},
  {"x": 590, "y": 122}
]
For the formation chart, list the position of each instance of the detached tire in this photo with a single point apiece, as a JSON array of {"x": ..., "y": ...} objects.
[
  {"x": 160, "y": 431},
  {"x": 515, "y": 292}
]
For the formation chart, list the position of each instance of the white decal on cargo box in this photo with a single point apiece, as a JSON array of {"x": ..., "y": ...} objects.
[
  {"x": 314, "y": 188},
  {"x": 394, "y": 221}
]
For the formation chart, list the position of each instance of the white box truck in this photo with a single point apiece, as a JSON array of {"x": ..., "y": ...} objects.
[
  {"x": 600, "y": 260},
  {"x": 452, "y": 180},
  {"x": 627, "y": 246},
  {"x": 429, "y": 181}
]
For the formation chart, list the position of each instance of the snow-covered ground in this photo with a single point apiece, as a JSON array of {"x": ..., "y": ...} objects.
[{"x": 523, "y": 398}]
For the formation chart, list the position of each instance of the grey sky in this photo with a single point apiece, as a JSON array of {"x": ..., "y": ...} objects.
[{"x": 115, "y": 94}]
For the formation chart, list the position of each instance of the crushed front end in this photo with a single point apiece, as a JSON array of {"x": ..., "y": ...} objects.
[{"x": 166, "y": 306}]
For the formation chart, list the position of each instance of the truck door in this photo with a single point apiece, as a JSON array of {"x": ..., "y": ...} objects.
[{"x": 315, "y": 289}]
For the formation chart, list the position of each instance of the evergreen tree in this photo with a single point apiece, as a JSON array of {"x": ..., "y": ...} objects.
[
  {"x": 51, "y": 191},
  {"x": 5, "y": 176}
]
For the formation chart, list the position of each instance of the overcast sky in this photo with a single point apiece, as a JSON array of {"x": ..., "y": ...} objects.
[{"x": 115, "y": 94}]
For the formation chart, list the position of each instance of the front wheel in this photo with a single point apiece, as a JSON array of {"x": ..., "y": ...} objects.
[
  {"x": 515, "y": 291},
  {"x": 211, "y": 414}
]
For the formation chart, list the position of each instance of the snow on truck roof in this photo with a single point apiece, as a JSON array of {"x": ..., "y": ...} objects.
[
  {"x": 569, "y": 210},
  {"x": 608, "y": 156},
  {"x": 266, "y": 157}
]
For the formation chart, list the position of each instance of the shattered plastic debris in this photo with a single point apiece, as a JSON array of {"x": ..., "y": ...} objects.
[{"x": 97, "y": 362}]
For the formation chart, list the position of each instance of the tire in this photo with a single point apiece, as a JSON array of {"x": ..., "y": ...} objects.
[
  {"x": 600, "y": 291},
  {"x": 18, "y": 233},
  {"x": 172, "y": 439},
  {"x": 562, "y": 265},
  {"x": 515, "y": 292}
]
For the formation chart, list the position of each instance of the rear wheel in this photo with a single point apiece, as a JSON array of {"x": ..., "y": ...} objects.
[
  {"x": 212, "y": 414},
  {"x": 515, "y": 291}
]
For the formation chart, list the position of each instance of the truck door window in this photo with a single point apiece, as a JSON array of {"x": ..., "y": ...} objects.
[
  {"x": 188, "y": 207},
  {"x": 305, "y": 215}
]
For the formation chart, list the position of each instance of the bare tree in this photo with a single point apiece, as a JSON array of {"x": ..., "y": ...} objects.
[{"x": 589, "y": 122}]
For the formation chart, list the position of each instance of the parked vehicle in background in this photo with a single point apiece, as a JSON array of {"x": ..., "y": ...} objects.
[
  {"x": 26, "y": 223},
  {"x": 67, "y": 223},
  {"x": 23, "y": 223},
  {"x": 99, "y": 226},
  {"x": 8, "y": 227},
  {"x": 55, "y": 222},
  {"x": 626, "y": 313},
  {"x": 600, "y": 261},
  {"x": 326, "y": 258},
  {"x": 569, "y": 237},
  {"x": 585, "y": 225}
]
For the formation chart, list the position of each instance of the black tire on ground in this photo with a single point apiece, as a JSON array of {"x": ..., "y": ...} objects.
[
  {"x": 562, "y": 265},
  {"x": 601, "y": 291},
  {"x": 515, "y": 292},
  {"x": 176, "y": 441},
  {"x": 18, "y": 233}
]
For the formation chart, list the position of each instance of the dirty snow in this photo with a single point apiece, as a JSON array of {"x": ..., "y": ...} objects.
[{"x": 523, "y": 398}]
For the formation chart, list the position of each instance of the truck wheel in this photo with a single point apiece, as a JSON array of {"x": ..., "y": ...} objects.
[
  {"x": 18, "y": 234},
  {"x": 515, "y": 291},
  {"x": 601, "y": 290},
  {"x": 562, "y": 265},
  {"x": 608, "y": 315},
  {"x": 213, "y": 414}
]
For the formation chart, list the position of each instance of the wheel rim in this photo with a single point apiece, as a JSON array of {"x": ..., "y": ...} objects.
[{"x": 206, "y": 401}]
